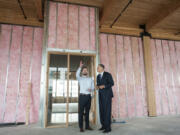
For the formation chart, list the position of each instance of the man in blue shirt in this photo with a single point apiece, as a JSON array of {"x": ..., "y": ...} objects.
[{"x": 86, "y": 87}]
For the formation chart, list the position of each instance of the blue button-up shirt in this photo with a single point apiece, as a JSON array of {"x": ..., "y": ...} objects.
[{"x": 85, "y": 83}]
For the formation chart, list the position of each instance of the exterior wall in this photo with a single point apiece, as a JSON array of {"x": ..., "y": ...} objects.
[
  {"x": 71, "y": 27},
  {"x": 20, "y": 62},
  {"x": 123, "y": 58},
  {"x": 166, "y": 72}
]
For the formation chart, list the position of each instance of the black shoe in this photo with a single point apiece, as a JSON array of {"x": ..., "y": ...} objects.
[
  {"x": 81, "y": 130},
  {"x": 107, "y": 131},
  {"x": 102, "y": 128},
  {"x": 89, "y": 128}
]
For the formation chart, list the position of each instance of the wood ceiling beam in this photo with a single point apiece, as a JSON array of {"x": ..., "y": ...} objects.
[
  {"x": 94, "y": 3},
  {"x": 121, "y": 31},
  {"x": 111, "y": 11},
  {"x": 21, "y": 21},
  {"x": 162, "y": 13},
  {"x": 160, "y": 34},
  {"x": 39, "y": 9},
  {"x": 165, "y": 36}
]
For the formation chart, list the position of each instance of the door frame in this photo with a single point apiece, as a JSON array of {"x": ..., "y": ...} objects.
[{"x": 67, "y": 101}]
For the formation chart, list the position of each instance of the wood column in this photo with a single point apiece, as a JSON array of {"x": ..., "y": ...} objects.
[{"x": 151, "y": 101}]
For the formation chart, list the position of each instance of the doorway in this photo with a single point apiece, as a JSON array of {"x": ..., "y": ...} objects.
[{"x": 63, "y": 89}]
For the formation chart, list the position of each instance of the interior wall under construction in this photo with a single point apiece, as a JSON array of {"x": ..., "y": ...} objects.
[
  {"x": 166, "y": 72},
  {"x": 123, "y": 58},
  {"x": 71, "y": 27},
  {"x": 20, "y": 64}
]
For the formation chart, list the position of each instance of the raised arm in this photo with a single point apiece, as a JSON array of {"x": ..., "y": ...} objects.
[{"x": 78, "y": 72}]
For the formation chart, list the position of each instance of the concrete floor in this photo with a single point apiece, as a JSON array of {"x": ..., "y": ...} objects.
[{"x": 139, "y": 126}]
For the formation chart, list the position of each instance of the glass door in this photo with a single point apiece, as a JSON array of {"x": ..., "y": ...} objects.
[
  {"x": 57, "y": 90},
  {"x": 63, "y": 89}
]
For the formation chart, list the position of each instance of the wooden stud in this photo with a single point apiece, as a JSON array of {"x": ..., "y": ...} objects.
[
  {"x": 67, "y": 99},
  {"x": 28, "y": 102},
  {"x": 149, "y": 77}
]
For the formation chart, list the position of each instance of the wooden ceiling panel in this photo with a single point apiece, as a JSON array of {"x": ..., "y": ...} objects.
[
  {"x": 111, "y": 10},
  {"x": 154, "y": 2},
  {"x": 11, "y": 12},
  {"x": 161, "y": 17},
  {"x": 171, "y": 22},
  {"x": 139, "y": 12},
  {"x": 162, "y": 13}
]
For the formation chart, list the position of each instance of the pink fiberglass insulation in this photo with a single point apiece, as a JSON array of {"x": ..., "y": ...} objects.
[
  {"x": 5, "y": 38},
  {"x": 61, "y": 26},
  {"x": 84, "y": 28},
  {"x": 143, "y": 83},
  {"x": 137, "y": 76},
  {"x": 121, "y": 83},
  {"x": 160, "y": 58},
  {"x": 165, "y": 64},
  {"x": 168, "y": 77},
  {"x": 92, "y": 25},
  {"x": 25, "y": 72},
  {"x": 52, "y": 25},
  {"x": 36, "y": 76},
  {"x": 177, "y": 77},
  {"x": 20, "y": 49},
  {"x": 129, "y": 77},
  {"x": 104, "y": 51},
  {"x": 12, "y": 84},
  {"x": 113, "y": 68},
  {"x": 71, "y": 27},
  {"x": 175, "y": 74},
  {"x": 123, "y": 58}
]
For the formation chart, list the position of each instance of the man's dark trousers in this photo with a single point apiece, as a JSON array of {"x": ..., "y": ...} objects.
[
  {"x": 84, "y": 105},
  {"x": 105, "y": 104}
]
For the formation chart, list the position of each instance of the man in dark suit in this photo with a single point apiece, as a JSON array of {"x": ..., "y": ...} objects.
[{"x": 104, "y": 84}]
